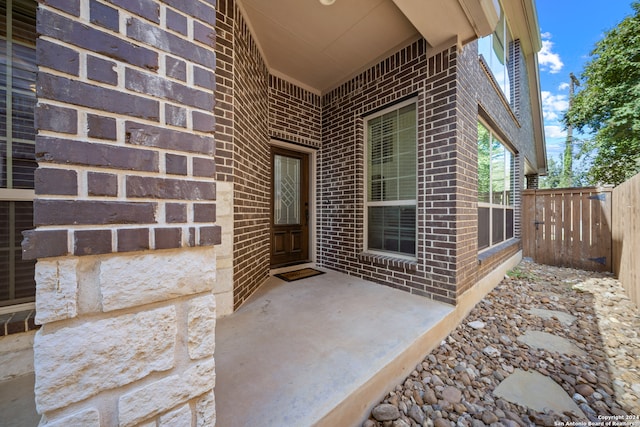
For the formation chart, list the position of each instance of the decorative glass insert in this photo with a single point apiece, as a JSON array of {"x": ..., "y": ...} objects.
[
  {"x": 391, "y": 181},
  {"x": 286, "y": 190}
]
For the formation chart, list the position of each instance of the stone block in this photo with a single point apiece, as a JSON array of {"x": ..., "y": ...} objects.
[
  {"x": 87, "y": 418},
  {"x": 224, "y": 278},
  {"x": 180, "y": 417},
  {"x": 57, "y": 290},
  {"x": 201, "y": 327},
  {"x": 224, "y": 304},
  {"x": 166, "y": 393},
  {"x": 206, "y": 410},
  {"x": 135, "y": 280},
  {"x": 75, "y": 363}
]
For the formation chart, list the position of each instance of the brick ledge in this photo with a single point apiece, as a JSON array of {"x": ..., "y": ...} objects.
[
  {"x": 18, "y": 322},
  {"x": 389, "y": 261}
]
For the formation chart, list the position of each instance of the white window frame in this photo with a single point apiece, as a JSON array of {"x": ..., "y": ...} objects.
[
  {"x": 490, "y": 205},
  {"x": 405, "y": 202}
]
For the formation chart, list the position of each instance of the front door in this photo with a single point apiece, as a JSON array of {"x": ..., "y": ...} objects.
[{"x": 289, "y": 207}]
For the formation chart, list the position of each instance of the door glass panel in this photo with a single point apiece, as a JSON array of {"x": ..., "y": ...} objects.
[{"x": 286, "y": 189}]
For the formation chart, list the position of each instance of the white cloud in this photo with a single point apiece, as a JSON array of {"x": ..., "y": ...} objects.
[
  {"x": 553, "y": 106},
  {"x": 547, "y": 59},
  {"x": 563, "y": 86},
  {"x": 555, "y": 131}
]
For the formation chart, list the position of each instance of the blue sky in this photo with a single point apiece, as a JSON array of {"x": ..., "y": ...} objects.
[{"x": 570, "y": 30}]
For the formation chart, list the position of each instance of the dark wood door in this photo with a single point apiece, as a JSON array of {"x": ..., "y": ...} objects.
[{"x": 289, "y": 207}]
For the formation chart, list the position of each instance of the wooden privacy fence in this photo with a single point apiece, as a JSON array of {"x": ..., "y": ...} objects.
[
  {"x": 626, "y": 236},
  {"x": 587, "y": 228},
  {"x": 569, "y": 227}
]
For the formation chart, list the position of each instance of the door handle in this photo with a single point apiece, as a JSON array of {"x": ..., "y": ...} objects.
[{"x": 537, "y": 223}]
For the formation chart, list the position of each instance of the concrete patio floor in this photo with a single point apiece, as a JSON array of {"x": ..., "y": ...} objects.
[
  {"x": 17, "y": 402},
  {"x": 319, "y": 351}
]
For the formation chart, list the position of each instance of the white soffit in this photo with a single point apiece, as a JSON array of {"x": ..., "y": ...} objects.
[{"x": 320, "y": 46}]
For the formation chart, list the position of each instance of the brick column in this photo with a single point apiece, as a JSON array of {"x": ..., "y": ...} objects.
[{"x": 125, "y": 213}]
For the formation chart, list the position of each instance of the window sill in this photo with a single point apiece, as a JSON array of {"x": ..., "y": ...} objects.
[
  {"x": 18, "y": 322},
  {"x": 488, "y": 253},
  {"x": 389, "y": 261}
]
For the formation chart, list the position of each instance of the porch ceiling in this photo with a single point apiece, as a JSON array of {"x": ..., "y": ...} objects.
[{"x": 320, "y": 46}]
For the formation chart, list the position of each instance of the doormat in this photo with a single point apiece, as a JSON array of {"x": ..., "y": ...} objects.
[{"x": 292, "y": 276}]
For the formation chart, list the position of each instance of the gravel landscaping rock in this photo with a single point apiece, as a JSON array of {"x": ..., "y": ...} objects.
[{"x": 454, "y": 384}]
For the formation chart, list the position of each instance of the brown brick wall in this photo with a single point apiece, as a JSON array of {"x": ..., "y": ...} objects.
[
  {"x": 295, "y": 114},
  {"x": 513, "y": 123},
  {"x": 125, "y": 141},
  {"x": 251, "y": 108},
  {"x": 433, "y": 82},
  {"x": 452, "y": 90},
  {"x": 224, "y": 83},
  {"x": 251, "y": 164}
]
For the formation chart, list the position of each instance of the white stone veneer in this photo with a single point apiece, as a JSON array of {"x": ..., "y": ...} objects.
[{"x": 127, "y": 339}]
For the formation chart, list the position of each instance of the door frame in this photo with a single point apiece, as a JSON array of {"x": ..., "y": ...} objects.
[{"x": 312, "y": 153}]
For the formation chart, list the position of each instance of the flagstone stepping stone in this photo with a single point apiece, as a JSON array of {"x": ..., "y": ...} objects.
[
  {"x": 536, "y": 391},
  {"x": 564, "y": 318},
  {"x": 550, "y": 342}
]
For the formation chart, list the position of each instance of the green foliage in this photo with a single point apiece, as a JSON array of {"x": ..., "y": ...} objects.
[
  {"x": 608, "y": 106},
  {"x": 518, "y": 273},
  {"x": 554, "y": 175},
  {"x": 484, "y": 164}
]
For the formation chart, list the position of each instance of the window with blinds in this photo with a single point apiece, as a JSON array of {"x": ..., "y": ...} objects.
[
  {"x": 17, "y": 146},
  {"x": 391, "y": 181}
]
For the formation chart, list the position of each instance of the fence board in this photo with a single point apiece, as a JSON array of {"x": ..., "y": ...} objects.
[
  {"x": 528, "y": 231},
  {"x": 626, "y": 236}
]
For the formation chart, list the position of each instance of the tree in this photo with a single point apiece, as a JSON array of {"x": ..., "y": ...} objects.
[
  {"x": 554, "y": 175},
  {"x": 608, "y": 106}
]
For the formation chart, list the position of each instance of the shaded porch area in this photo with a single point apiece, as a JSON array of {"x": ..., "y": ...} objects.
[{"x": 318, "y": 351}]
